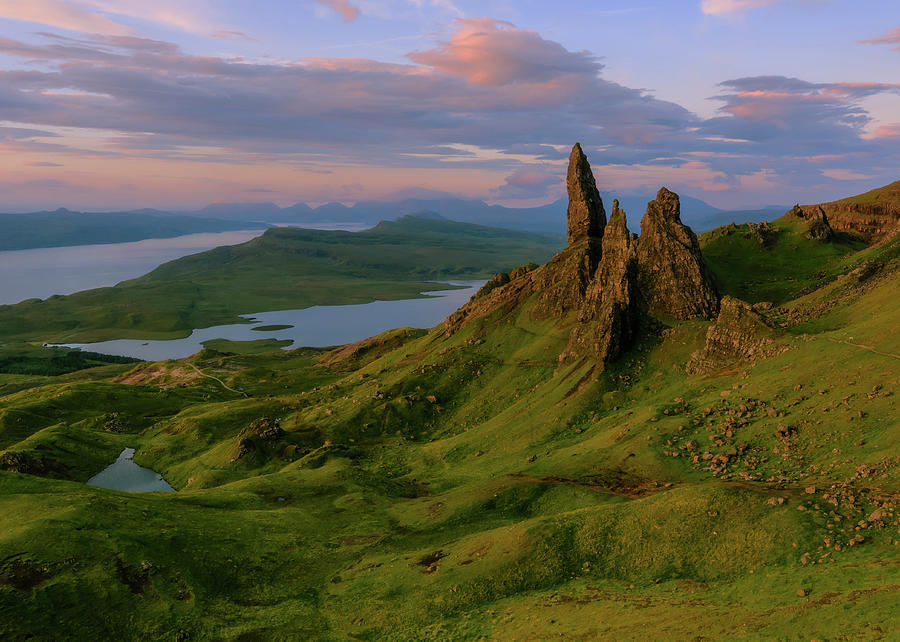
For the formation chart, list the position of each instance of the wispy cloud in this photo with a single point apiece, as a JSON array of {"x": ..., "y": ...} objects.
[
  {"x": 63, "y": 15},
  {"x": 343, "y": 7},
  {"x": 891, "y": 37},
  {"x": 725, "y": 7},
  {"x": 104, "y": 16}
]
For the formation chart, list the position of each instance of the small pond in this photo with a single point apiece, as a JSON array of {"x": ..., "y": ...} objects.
[{"x": 124, "y": 474}]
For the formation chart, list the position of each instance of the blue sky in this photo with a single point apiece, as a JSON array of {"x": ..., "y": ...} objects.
[{"x": 116, "y": 103}]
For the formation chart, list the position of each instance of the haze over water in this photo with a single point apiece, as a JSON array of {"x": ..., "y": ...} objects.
[{"x": 43, "y": 272}]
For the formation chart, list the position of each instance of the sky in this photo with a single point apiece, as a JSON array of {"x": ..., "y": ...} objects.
[{"x": 174, "y": 104}]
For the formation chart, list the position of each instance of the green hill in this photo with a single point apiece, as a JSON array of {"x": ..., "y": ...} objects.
[
  {"x": 729, "y": 472},
  {"x": 874, "y": 215},
  {"x": 64, "y": 228},
  {"x": 285, "y": 268}
]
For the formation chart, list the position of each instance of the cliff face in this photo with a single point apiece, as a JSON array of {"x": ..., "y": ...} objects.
[
  {"x": 607, "y": 279},
  {"x": 874, "y": 215}
]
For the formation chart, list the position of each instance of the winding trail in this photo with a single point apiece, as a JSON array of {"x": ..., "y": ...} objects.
[
  {"x": 862, "y": 347},
  {"x": 223, "y": 384}
]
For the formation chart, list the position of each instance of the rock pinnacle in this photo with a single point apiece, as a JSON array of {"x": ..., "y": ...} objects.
[{"x": 587, "y": 218}]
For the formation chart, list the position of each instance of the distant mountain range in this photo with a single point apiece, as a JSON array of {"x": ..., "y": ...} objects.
[
  {"x": 63, "y": 227},
  {"x": 548, "y": 219}
]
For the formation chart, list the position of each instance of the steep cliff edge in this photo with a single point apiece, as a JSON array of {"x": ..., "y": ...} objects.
[{"x": 874, "y": 215}]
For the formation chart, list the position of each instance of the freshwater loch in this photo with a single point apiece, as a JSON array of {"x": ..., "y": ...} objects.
[{"x": 318, "y": 326}]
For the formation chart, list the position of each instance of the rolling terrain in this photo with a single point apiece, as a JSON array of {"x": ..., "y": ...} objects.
[
  {"x": 655, "y": 437},
  {"x": 285, "y": 268}
]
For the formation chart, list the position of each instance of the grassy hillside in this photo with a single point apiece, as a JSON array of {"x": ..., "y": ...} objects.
[
  {"x": 874, "y": 215},
  {"x": 889, "y": 194},
  {"x": 64, "y": 228},
  {"x": 774, "y": 266},
  {"x": 426, "y": 486},
  {"x": 283, "y": 269}
]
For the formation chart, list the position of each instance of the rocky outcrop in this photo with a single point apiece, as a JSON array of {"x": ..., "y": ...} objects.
[
  {"x": 796, "y": 212},
  {"x": 819, "y": 228},
  {"x": 673, "y": 278},
  {"x": 765, "y": 234},
  {"x": 874, "y": 216},
  {"x": 586, "y": 216},
  {"x": 607, "y": 278},
  {"x": 608, "y": 318},
  {"x": 740, "y": 334},
  {"x": 562, "y": 283},
  {"x": 258, "y": 436}
]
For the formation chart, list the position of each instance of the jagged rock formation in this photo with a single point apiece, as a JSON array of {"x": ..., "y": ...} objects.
[
  {"x": 740, "y": 333},
  {"x": 819, "y": 228},
  {"x": 607, "y": 279},
  {"x": 608, "y": 317},
  {"x": 586, "y": 216},
  {"x": 673, "y": 277}
]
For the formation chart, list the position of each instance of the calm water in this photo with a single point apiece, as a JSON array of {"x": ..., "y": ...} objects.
[
  {"x": 124, "y": 474},
  {"x": 42, "y": 272},
  {"x": 318, "y": 326}
]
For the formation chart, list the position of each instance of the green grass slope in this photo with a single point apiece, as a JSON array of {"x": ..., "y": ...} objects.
[
  {"x": 419, "y": 486},
  {"x": 285, "y": 268}
]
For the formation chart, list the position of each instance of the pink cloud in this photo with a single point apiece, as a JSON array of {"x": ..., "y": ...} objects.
[
  {"x": 64, "y": 15},
  {"x": 724, "y": 7},
  {"x": 343, "y": 7},
  {"x": 845, "y": 175},
  {"x": 887, "y": 131},
  {"x": 492, "y": 52},
  {"x": 891, "y": 37}
]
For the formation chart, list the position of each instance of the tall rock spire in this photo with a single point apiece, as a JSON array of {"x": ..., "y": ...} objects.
[
  {"x": 587, "y": 218},
  {"x": 674, "y": 279},
  {"x": 608, "y": 319}
]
